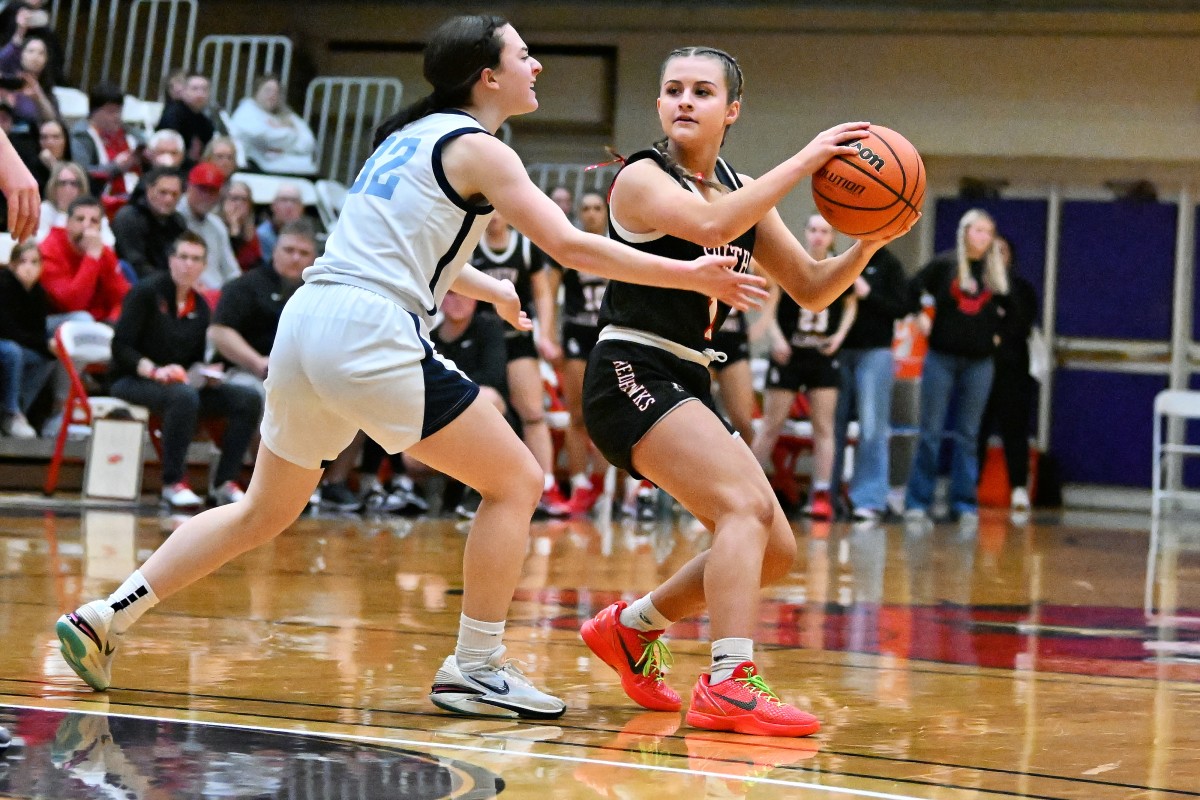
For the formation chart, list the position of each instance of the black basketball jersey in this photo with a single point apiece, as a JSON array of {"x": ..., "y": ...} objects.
[
  {"x": 735, "y": 322},
  {"x": 583, "y": 293},
  {"x": 517, "y": 262},
  {"x": 802, "y": 327},
  {"x": 685, "y": 317}
]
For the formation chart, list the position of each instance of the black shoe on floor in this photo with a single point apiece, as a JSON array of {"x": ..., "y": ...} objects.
[{"x": 338, "y": 497}]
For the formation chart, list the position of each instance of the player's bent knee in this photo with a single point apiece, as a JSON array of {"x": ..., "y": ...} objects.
[{"x": 533, "y": 420}]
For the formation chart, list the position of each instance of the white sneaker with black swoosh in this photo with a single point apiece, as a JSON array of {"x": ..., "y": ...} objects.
[
  {"x": 87, "y": 645},
  {"x": 499, "y": 689}
]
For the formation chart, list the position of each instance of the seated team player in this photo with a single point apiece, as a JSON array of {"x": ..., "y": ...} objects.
[
  {"x": 247, "y": 316},
  {"x": 158, "y": 362},
  {"x": 505, "y": 254},
  {"x": 475, "y": 343},
  {"x": 582, "y": 294}
]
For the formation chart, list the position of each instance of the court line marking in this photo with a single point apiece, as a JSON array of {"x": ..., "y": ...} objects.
[{"x": 485, "y": 750}]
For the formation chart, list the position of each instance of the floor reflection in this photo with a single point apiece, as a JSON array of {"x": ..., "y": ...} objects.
[{"x": 71, "y": 756}]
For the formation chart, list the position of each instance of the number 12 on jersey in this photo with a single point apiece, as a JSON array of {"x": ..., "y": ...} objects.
[{"x": 377, "y": 178}]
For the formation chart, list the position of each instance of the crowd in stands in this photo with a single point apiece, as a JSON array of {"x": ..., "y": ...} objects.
[{"x": 155, "y": 236}]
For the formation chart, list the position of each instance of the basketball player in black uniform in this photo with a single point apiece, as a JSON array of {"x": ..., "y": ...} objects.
[
  {"x": 505, "y": 254},
  {"x": 582, "y": 293},
  {"x": 650, "y": 365},
  {"x": 804, "y": 358}
]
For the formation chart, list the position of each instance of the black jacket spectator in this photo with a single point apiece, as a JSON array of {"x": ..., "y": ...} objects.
[
  {"x": 875, "y": 322},
  {"x": 23, "y": 313},
  {"x": 149, "y": 327},
  {"x": 144, "y": 238},
  {"x": 251, "y": 305},
  {"x": 479, "y": 352},
  {"x": 193, "y": 126}
]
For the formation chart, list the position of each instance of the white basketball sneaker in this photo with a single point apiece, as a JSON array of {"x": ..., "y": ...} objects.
[
  {"x": 499, "y": 689},
  {"x": 87, "y": 645}
]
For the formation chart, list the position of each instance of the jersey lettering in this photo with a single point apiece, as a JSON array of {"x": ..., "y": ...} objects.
[
  {"x": 813, "y": 323},
  {"x": 742, "y": 265},
  {"x": 593, "y": 296},
  {"x": 381, "y": 181}
]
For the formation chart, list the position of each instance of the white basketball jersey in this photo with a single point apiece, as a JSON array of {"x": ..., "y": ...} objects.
[{"x": 404, "y": 232}]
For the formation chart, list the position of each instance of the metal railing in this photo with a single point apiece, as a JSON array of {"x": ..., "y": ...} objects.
[
  {"x": 343, "y": 113},
  {"x": 233, "y": 63},
  {"x": 158, "y": 37}
]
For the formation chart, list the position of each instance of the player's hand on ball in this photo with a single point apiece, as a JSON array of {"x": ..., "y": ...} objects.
[{"x": 830, "y": 143}]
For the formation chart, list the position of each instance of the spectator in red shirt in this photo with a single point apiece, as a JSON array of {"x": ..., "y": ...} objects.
[{"x": 79, "y": 272}]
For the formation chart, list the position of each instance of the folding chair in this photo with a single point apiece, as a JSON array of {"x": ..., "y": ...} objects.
[
  {"x": 1169, "y": 454},
  {"x": 81, "y": 345}
]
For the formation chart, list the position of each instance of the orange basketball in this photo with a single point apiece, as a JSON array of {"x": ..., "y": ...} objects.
[{"x": 876, "y": 191}]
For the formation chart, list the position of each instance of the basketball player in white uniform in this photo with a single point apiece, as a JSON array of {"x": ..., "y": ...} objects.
[{"x": 353, "y": 353}]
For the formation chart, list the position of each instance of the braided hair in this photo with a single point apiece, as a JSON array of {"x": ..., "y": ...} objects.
[{"x": 735, "y": 83}]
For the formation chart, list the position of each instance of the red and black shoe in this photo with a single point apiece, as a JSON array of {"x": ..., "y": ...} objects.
[
  {"x": 745, "y": 704},
  {"x": 640, "y": 658}
]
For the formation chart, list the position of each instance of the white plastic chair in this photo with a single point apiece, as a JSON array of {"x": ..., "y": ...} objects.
[
  {"x": 1169, "y": 456},
  {"x": 72, "y": 104},
  {"x": 81, "y": 345},
  {"x": 1166, "y": 484},
  {"x": 263, "y": 188},
  {"x": 331, "y": 196}
]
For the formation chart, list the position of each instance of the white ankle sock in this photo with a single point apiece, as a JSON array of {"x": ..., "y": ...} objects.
[
  {"x": 132, "y": 599},
  {"x": 727, "y": 654},
  {"x": 477, "y": 642},
  {"x": 641, "y": 615},
  {"x": 547, "y": 482},
  {"x": 581, "y": 481}
]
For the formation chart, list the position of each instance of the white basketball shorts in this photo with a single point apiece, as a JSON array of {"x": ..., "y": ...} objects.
[{"x": 346, "y": 359}]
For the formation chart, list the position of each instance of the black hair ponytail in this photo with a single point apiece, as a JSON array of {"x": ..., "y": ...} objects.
[{"x": 457, "y": 54}]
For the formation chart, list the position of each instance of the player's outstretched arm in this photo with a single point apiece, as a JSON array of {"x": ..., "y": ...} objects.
[
  {"x": 485, "y": 166},
  {"x": 649, "y": 199},
  {"x": 21, "y": 190},
  {"x": 812, "y": 284}
]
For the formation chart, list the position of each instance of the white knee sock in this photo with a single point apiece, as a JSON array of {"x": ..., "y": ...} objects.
[
  {"x": 727, "y": 654},
  {"x": 641, "y": 615},
  {"x": 132, "y": 599},
  {"x": 478, "y": 641}
]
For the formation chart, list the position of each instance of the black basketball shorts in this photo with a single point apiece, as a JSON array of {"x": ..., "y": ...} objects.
[
  {"x": 579, "y": 340},
  {"x": 519, "y": 344},
  {"x": 807, "y": 369},
  {"x": 629, "y": 387},
  {"x": 734, "y": 344}
]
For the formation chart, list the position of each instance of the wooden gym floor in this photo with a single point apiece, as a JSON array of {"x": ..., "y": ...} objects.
[{"x": 1013, "y": 661}]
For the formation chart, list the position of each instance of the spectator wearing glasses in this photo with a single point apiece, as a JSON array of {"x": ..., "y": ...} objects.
[
  {"x": 67, "y": 182},
  {"x": 222, "y": 153},
  {"x": 158, "y": 359}
]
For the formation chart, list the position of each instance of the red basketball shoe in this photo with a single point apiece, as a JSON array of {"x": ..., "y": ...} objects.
[
  {"x": 642, "y": 675},
  {"x": 745, "y": 704},
  {"x": 822, "y": 505},
  {"x": 582, "y": 499}
]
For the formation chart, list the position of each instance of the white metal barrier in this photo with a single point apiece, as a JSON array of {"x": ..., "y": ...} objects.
[
  {"x": 576, "y": 177},
  {"x": 158, "y": 37},
  {"x": 233, "y": 63},
  {"x": 343, "y": 113}
]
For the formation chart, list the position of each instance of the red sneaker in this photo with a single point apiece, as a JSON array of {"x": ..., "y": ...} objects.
[
  {"x": 582, "y": 499},
  {"x": 553, "y": 504},
  {"x": 642, "y": 676},
  {"x": 745, "y": 704},
  {"x": 822, "y": 506}
]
